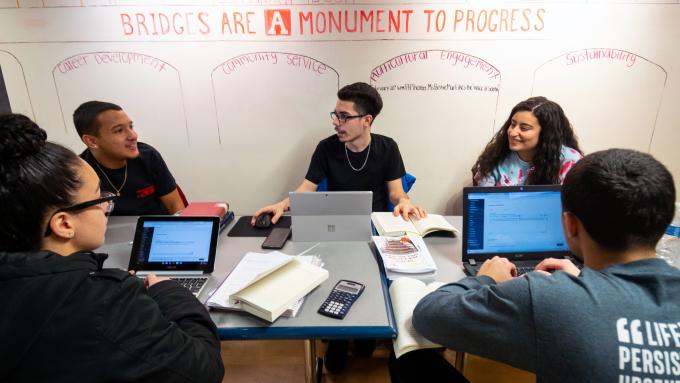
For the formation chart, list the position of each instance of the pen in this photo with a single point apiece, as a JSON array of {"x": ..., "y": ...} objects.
[{"x": 306, "y": 251}]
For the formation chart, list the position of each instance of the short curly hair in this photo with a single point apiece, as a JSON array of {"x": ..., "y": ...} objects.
[
  {"x": 366, "y": 99},
  {"x": 624, "y": 198}
]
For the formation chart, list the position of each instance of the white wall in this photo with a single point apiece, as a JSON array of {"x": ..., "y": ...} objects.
[{"x": 237, "y": 112}]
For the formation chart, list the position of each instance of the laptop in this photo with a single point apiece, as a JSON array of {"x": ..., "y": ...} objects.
[
  {"x": 181, "y": 248},
  {"x": 331, "y": 216},
  {"x": 521, "y": 223}
]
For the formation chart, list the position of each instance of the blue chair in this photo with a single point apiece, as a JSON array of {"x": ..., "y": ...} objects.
[{"x": 407, "y": 182}]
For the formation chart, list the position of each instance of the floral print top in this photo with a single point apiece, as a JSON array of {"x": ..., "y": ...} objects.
[{"x": 513, "y": 171}]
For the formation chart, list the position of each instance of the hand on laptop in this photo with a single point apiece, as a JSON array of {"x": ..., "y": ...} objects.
[
  {"x": 405, "y": 208},
  {"x": 276, "y": 210},
  {"x": 152, "y": 279},
  {"x": 549, "y": 265},
  {"x": 499, "y": 269}
]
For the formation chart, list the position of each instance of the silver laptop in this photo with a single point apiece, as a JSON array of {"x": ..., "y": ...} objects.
[
  {"x": 181, "y": 248},
  {"x": 521, "y": 223},
  {"x": 331, "y": 216}
]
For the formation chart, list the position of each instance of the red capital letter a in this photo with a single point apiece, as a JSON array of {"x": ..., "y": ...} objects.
[{"x": 277, "y": 22}]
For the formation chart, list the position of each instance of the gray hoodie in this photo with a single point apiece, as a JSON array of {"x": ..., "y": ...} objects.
[{"x": 620, "y": 324}]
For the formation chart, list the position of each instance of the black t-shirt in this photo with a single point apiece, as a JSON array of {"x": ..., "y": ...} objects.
[
  {"x": 384, "y": 163},
  {"x": 148, "y": 178}
]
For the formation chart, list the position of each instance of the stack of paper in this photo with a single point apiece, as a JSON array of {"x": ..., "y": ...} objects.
[{"x": 217, "y": 209}]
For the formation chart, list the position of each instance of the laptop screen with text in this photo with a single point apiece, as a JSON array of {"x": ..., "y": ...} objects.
[
  {"x": 175, "y": 243},
  {"x": 516, "y": 220}
]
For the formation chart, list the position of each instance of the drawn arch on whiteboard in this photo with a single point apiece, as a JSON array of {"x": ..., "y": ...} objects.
[
  {"x": 147, "y": 88},
  {"x": 15, "y": 85},
  {"x": 272, "y": 109},
  {"x": 264, "y": 79},
  {"x": 596, "y": 87},
  {"x": 457, "y": 94}
]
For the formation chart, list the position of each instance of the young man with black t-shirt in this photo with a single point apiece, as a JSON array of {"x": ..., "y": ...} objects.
[
  {"x": 354, "y": 159},
  {"x": 133, "y": 170}
]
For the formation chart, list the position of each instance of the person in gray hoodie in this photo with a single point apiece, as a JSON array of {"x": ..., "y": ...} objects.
[{"x": 616, "y": 320}]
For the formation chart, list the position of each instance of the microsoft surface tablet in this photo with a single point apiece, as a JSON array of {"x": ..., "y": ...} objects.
[{"x": 331, "y": 216}]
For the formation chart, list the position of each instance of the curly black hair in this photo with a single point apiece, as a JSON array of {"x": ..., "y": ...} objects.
[
  {"x": 555, "y": 132},
  {"x": 36, "y": 177}
]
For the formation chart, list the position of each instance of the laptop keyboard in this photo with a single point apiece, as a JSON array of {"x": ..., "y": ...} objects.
[
  {"x": 193, "y": 284},
  {"x": 524, "y": 269},
  {"x": 521, "y": 270}
]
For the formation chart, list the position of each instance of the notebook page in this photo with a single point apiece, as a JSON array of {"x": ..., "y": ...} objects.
[
  {"x": 405, "y": 294},
  {"x": 432, "y": 221},
  {"x": 253, "y": 266}
]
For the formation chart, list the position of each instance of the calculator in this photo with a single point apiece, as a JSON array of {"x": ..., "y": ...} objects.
[{"x": 341, "y": 299}]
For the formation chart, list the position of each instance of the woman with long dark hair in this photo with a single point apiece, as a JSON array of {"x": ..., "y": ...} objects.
[
  {"x": 535, "y": 146},
  {"x": 64, "y": 317}
]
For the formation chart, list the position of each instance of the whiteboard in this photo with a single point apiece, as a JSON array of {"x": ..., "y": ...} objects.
[
  {"x": 236, "y": 93},
  {"x": 612, "y": 96}
]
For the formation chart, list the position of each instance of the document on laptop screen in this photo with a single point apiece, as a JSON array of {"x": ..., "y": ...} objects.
[
  {"x": 178, "y": 243},
  {"x": 515, "y": 222}
]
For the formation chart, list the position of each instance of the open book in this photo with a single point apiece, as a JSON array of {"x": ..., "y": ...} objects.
[
  {"x": 406, "y": 254},
  {"x": 267, "y": 285},
  {"x": 405, "y": 294},
  {"x": 388, "y": 225}
]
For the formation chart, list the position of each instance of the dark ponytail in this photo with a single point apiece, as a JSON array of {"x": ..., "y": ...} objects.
[{"x": 36, "y": 177}]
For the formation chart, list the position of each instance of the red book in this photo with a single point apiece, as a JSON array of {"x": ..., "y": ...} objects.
[{"x": 217, "y": 209}]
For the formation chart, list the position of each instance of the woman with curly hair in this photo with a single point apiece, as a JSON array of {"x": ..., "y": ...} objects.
[{"x": 535, "y": 146}]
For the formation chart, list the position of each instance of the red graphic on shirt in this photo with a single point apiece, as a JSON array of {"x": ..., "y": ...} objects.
[
  {"x": 145, "y": 192},
  {"x": 565, "y": 169},
  {"x": 277, "y": 22}
]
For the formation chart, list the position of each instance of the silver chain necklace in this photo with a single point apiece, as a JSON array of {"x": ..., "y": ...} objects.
[
  {"x": 365, "y": 161},
  {"x": 111, "y": 183}
]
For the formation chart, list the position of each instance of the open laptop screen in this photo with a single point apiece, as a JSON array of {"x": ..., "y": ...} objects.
[
  {"x": 175, "y": 243},
  {"x": 513, "y": 220}
]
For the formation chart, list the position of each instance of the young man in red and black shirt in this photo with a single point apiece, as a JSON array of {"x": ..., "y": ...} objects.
[{"x": 133, "y": 170}]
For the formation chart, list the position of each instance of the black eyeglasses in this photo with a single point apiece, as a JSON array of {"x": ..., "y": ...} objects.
[
  {"x": 342, "y": 117},
  {"x": 106, "y": 197}
]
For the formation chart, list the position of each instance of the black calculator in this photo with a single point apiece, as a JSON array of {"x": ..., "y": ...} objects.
[{"x": 341, "y": 299}]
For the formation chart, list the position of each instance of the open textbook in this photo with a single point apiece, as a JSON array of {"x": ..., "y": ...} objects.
[
  {"x": 405, "y": 294},
  {"x": 388, "y": 225},
  {"x": 405, "y": 254},
  {"x": 269, "y": 285}
]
